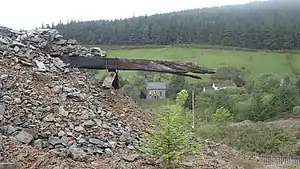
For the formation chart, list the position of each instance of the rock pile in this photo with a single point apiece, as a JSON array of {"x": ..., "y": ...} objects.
[
  {"x": 42, "y": 42},
  {"x": 51, "y": 107},
  {"x": 55, "y": 117}
]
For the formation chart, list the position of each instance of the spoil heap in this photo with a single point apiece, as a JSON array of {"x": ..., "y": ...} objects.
[
  {"x": 51, "y": 107},
  {"x": 54, "y": 117}
]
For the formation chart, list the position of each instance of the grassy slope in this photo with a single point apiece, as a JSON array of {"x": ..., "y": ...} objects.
[{"x": 255, "y": 62}]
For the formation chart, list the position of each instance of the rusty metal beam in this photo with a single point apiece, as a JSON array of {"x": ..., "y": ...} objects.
[{"x": 162, "y": 66}]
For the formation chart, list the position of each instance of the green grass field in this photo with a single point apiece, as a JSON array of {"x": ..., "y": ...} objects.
[{"x": 256, "y": 62}]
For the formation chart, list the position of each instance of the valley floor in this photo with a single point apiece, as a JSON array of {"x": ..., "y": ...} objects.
[{"x": 254, "y": 62}]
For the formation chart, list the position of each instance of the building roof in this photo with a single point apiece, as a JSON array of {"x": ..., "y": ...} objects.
[{"x": 156, "y": 86}]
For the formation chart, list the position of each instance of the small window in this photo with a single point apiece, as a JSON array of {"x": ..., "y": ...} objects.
[{"x": 160, "y": 93}]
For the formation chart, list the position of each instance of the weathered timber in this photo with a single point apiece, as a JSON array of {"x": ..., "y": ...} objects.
[{"x": 163, "y": 66}]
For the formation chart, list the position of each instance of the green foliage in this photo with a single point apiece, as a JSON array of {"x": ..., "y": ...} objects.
[
  {"x": 231, "y": 74},
  {"x": 270, "y": 24},
  {"x": 265, "y": 98},
  {"x": 259, "y": 138},
  {"x": 175, "y": 85},
  {"x": 171, "y": 139},
  {"x": 222, "y": 116}
]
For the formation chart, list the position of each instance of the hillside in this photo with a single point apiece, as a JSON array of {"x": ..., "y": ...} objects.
[
  {"x": 270, "y": 24},
  {"x": 53, "y": 116},
  {"x": 254, "y": 63}
]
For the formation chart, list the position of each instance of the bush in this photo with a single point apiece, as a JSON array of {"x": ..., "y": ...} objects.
[
  {"x": 222, "y": 116},
  {"x": 258, "y": 137}
]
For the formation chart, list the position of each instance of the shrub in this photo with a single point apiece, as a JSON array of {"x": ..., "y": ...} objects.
[
  {"x": 222, "y": 116},
  {"x": 171, "y": 139},
  {"x": 260, "y": 138}
]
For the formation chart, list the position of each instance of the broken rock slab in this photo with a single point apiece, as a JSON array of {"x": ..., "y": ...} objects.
[
  {"x": 99, "y": 143},
  {"x": 1, "y": 143},
  {"x": 23, "y": 137},
  {"x": 131, "y": 158},
  {"x": 2, "y": 110},
  {"x": 77, "y": 153}
]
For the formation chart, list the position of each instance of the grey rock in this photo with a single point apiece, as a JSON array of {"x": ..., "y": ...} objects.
[
  {"x": 17, "y": 44},
  {"x": 88, "y": 123},
  {"x": 62, "y": 111},
  {"x": 113, "y": 144},
  {"x": 3, "y": 48},
  {"x": 3, "y": 41},
  {"x": 82, "y": 141},
  {"x": 188, "y": 164},
  {"x": 18, "y": 121},
  {"x": 96, "y": 50},
  {"x": 72, "y": 42},
  {"x": 9, "y": 129},
  {"x": 23, "y": 137},
  {"x": 9, "y": 165},
  {"x": 6, "y": 98},
  {"x": 77, "y": 153},
  {"x": 105, "y": 126},
  {"x": 59, "y": 146},
  {"x": 45, "y": 134},
  {"x": 79, "y": 129},
  {"x": 1, "y": 143},
  {"x": 130, "y": 147},
  {"x": 128, "y": 129},
  {"x": 2, "y": 110},
  {"x": 98, "y": 151},
  {"x": 108, "y": 152},
  {"x": 99, "y": 143},
  {"x": 54, "y": 141},
  {"x": 61, "y": 133},
  {"x": 18, "y": 101},
  {"x": 62, "y": 42},
  {"x": 49, "y": 118},
  {"x": 41, "y": 66},
  {"x": 45, "y": 144},
  {"x": 84, "y": 116},
  {"x": 108, "y": 114},
  {"x": 69, "y": 133},
  {"x": 67, "y": 89},
  {"x": 130, "y": 158},
  {"x": 16, "y": 49},
  {"x": 64, "y": 140},
  {"x": 98, "y": 122},
  {"x": 126, "y": 137},
  {"x": 71, "y": 125},
  {"x": 56, "y": 89},
  {"x": 38, "y": 144}
]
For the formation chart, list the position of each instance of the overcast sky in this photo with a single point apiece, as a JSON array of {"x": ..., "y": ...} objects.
[{"x": 28, "y": 14}]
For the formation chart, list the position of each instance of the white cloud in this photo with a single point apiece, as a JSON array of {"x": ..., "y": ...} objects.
[{"x": 28, "y": 14}]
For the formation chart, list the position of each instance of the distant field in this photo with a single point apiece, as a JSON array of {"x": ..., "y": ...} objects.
[{"x": 256, "y": 62}]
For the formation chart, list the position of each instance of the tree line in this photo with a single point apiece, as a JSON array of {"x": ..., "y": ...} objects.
[{"x": 258, "y": 25}]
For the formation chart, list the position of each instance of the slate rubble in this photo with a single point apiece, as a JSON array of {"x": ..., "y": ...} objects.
[
  {"x": 52, "y": 116},
  {"x": 33, "y": 43},
  {"x": 49, "y": 106}
]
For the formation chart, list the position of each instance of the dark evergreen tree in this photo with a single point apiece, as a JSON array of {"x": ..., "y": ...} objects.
[{"x": 273, "y": 24}]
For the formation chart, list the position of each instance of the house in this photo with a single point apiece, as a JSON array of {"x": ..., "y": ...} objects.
[
  {"x": 156, "y": 90},
  {"x": 221, "y": 85}
]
